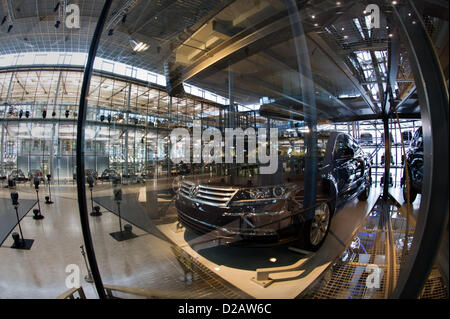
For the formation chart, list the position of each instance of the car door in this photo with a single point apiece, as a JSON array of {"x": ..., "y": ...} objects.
[
  {"x": 359, "y": 161},
  {"x": 344, "y": 164}
]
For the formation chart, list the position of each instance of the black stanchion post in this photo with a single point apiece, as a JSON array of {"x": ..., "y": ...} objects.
[
  {"x": 95, "y": 209},
  {"x": 36, "y": 187},
  {"x": 121, "y": 234},
  {"x": 19, "y": 242},
  {"x": 118, "y": 198},
  {"x": 48, "y": 199},
  {"x": 15, "y": 202}
]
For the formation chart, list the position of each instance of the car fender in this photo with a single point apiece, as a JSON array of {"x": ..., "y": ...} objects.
[{"x": 329, "y": 188}]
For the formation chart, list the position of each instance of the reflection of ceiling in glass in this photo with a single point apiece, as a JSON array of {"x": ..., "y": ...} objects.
[{"x": 247, "y": 41}]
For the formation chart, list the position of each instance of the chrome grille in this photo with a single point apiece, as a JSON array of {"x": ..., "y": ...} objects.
[{"x": 205, "y": 194}]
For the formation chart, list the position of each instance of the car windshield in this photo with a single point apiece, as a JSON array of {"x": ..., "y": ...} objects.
[
  {"x": 294, "y": 150},
  {"x": 291, "y": 163}
]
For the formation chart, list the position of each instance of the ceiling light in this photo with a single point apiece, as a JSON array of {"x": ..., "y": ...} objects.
[
  {"x": 338, "y": 3},
  {"x": 394, "y": 3},
  {"x": 316, "y": 24},
  {"x": 139, "y": 46},
  {"x": 313, "y": 16},
  {"x": 345, "y": 36},
  {"x": 273, "y": 260}
]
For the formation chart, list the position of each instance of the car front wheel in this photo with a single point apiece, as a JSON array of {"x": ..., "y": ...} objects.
[
  {"x": 364, "y": 195},
  {"x": 315, "y": 230},
  {"x": 412, "y": 194}
]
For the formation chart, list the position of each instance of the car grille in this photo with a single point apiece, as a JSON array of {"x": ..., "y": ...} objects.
[{"x": 209, "y": 195}]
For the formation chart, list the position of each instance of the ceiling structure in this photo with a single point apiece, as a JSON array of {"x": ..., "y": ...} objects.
[{"x": 248, "y": 50}]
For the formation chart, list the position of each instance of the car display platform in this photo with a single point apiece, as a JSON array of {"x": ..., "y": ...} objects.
[{"x": 238, "y": 265}]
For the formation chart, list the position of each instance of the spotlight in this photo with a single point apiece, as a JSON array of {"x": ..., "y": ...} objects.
[
  {"x": 57, "y": 24},
  {"x": 139, "y": 47},
  {"x": 44, "y": 114},
  {"x": 67, "y": 113}
]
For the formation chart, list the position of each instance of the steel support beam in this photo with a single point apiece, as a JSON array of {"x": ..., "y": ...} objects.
[{"x": 323, "y": 46}]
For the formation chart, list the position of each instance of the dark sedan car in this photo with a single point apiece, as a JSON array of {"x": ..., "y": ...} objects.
[
  {"x": 270, "y": 207},
  {"x": 109, "y": 174},
  {"x": 414, "y": 158},
  {"x": 17, "y": 175}
]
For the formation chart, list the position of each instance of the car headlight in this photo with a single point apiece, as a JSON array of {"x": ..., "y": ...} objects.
[
  {"x": 278, "y": 191},
  {"x": 259, "y": 193},
  {"x": 266, "y": 192}
]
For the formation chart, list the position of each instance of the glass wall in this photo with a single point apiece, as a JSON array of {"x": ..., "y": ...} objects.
[{"x": 128, "y": 122}]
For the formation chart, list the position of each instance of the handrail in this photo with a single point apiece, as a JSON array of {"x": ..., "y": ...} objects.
[
  {"x": 148, "y": 293},
  {"x": 69, "y": 294}
]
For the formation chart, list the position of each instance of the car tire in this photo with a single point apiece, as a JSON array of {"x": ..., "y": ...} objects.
[
  {"x": 412, "y": 191},
  {"x": 364, "y": 195},
  {"x": 315, "y": 231},
  {"x": 412, "y": 194}
]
